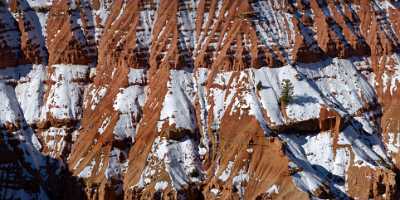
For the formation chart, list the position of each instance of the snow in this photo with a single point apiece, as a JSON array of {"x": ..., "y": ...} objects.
[
  {"x": 312, "y": 85},
  {"x": 335, "y": 83},
  {"x": 201, "y": 79},
  {"x": 129, "y": 102},
  {"x": 368, "y": 149},
  {"x": 162, "y": 185},
  {"x": 385, "y": 4},
  {"x": 385, "y": 80},
  {"x": 178, "y": 103},
  {"x": 239, "y": 180},
  {"x": 89, "y": 26},
  {"x": 306, "y": 100},
  {"x": 23, "y": 102},
  {"x": 227, "y": 172},
  {"x": 36, "y": 143},
  {"x": 77, "y": 27},
  {"x": 146, "y": 19},
  {"x": 274, "y": 189},
  {"x": 124, "y": 128},
  {"x": 319, "y": 149},
  {"x": 53, "y": 139},
  {"x": 40, "y": 3},
  {"x": 393, "y": 144},
  {"x": 65, "y": 95},
  {"x": 9, "y": 108},
  {"x": 104, "y": 125},
  {"x": 96, "y": 95},
  {"x": 341, "y": 165},
  {"x": 24, "y": 194},
  {"x": 180, "y": 160},
  {"x": 341, "y": 84},
  {"x": 221, "y": 98},
  {"x": 274, "y": 26},
  {"x": 162, "y": 148},
  {"x": 87, "y": 171},
  {"x": 137, "y": 76},
  {"x": 368, "y": 123},
  {"x": 186, "y": 17},
  {"x": 215, "y": 191},
  {"x": 318, "y": 156},
  {"x": 315, "y": 155},
  {"x": 116, "y": 168},
  {"x": 306, "y": 103},
  {"x": 202, "y": 151},
  {"x": 30, "y": 93},
  {"x": 53, "y": 132},
  {"x": 255, "y": 109},
  {"x": 308, "y": 179},
  {"x": 103, "y": 13},
  {"x": 393, "y": 78}
]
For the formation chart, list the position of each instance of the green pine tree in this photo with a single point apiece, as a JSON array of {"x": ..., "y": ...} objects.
[
  {"x": 259, "y": 86},
  {"x": 287, "y": 92}
]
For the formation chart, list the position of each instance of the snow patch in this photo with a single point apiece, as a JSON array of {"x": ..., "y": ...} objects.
[
  {"x": 239, "y": 180},
  {"x": 162, "y": 185},
  {"x": 227, "y": 172},
  {"x": 178, "y": 103},
  {"x": 65, "y": 95},
  {"x": 87, "y": 171},
  {"x": 274, "y": 189}
]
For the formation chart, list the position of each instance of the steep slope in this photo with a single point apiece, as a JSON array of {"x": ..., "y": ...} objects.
[{"x": 180, "y": 99}]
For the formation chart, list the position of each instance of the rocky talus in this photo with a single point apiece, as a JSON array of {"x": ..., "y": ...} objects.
[{"x": 181, "y": 99}]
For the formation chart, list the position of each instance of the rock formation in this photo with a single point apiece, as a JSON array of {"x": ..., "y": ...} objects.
[{"x": 180, "y": 99}]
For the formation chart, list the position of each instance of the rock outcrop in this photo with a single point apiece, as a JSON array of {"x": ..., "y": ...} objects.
[{"x": 179, "y": 99}]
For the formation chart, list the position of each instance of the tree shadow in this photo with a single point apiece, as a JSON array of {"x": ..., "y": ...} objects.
[{"x": 303, "y": 100}]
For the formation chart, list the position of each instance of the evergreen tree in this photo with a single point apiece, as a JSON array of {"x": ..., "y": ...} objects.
[
  {"x": 259, "y": 86},
  {"x": 287, "y": 92}
]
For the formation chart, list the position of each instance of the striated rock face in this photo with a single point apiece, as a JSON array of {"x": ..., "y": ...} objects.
[
  {"x": 10, "y": 39},
  {"x": 181, "y": 99}
]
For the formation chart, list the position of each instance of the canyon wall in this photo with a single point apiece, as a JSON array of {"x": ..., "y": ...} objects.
[{"x": 181, "y": 99}]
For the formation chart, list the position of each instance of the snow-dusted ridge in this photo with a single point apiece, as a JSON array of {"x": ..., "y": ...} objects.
[{"x": 216, "y": 121}]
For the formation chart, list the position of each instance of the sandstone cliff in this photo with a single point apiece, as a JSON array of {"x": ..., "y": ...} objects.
[{"x": 180, "y": 99}]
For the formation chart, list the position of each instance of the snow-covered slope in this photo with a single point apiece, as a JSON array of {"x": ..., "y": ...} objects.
[{"x": 168, "y": 99}]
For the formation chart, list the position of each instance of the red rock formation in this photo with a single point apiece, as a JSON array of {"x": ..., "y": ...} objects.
[
  {"x": 132, "y": 99},
  {"x": 70, "y": 38},
  {"x": 33, "y": 43}
]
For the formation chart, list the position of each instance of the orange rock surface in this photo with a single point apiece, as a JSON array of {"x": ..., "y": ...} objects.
[{"x": 168, "y": 99}]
